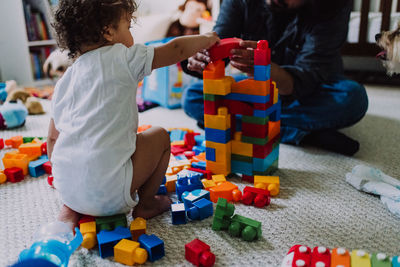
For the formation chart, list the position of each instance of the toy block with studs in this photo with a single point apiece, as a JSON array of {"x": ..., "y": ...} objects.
[
  {"x": 226, "y": 190},
  {"x": 15, "y": 159},
  {"x": 222, "y": 121},
  {"x": 198, "y": 253},
  {"x": 14, "y": 141},
  {"x": 88, "y": 230},
  {"x": 47, "y": 167},
  {"x": 396, "y": 261},
  {"x": 3, "y": 177},
  {"x": 190, "y": 197},
  {"x": 214, "y": 70},
  {"x": 256, "y": 196},
  {"x": 321, "y": 256},
  {"x": 14, "y": 174},
  {"x": 223, "y": 48},
  {"x": 360, "y": 258},
  {"x": 298, "y": 256},
  {"x": 219, "y": 86},
  {"x": 200, "y": 210},
  {"x": 128, "y": 252},
  {"x": 33, "y": 150},
  {"x": 380, "y": 260},
  {"x": 255, "y": 130},
  {"x": 271, "y": 183},
  {"x": 138, "y": 227},
  {"x": 86, "y": 218},
  {"x": 1, "y": 143},
  {"x": 340, "y": 257},
  {"x": 222, "y": 215},
  {"x": 178, "y": 213},
  {"x": 240, "y": 148},
  {"x": 36, "y": 167},
  {"x": 153, "y": 245},
  {"x": 238, "y": 107},
  {"x": 218, "y": 136},
  {"x": 206, "y": 174},
  {"x": 110, "y": 222},
  {"x": 208, "y": 184},
  {"x": 262, "y": 54},
  {"x": 188, "y": 182},
  {"x": 50, "y": 181},
  {"x": 222, "y": 151},
  {"x": 246, "y": 228},
  {"x": 108, "y": 239},
  {"x": 251, "y": 87}
]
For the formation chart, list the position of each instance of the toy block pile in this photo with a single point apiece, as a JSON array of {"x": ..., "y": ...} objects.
[
  {"x": 303, "y": 256},
  {"x": 30, "y": 158},
  {"x": 242, "y": 119}
]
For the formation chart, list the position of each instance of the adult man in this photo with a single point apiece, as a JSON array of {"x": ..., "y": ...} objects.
[{"x": 305, "y": 37}]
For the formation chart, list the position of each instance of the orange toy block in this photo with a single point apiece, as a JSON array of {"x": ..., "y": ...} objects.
[
  {"x": 215, "y": 167},
  {"x": 218, "y": 178},
  {"x": 276, "y": 93},
  {"x": 214, "y": 70},
  {"x": 3, "y": 177},
  {"x": 14, "y": 141},
  {"x": 226, "y": 190},
  {"x": 33, "y": 150},
  {"x": 128, "y": 252},
  {"x": 218, "y": 87},
  {"x": 199, "y": 157},
  {"x": 208, "y": 184},
  {"x": 171, "y": 182},
  {"x": 251, "y": 87},
  {"x": 240, "y": 148},
  {"x": 88, "y": 230},
  {"x": 340, "y": 257},
  {"x": 274, "y": 128},
  {"x": 271, "y": 183},
  {"x": 222, "y": 152},
  {"x": 178, "y": 143},
  {"x": 138, "y": 227},
  {"x": 15, "y": 159},
  {"x": 222, "y": 121}
]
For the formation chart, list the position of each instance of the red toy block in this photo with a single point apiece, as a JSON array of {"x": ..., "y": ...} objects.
[
  {"x": 189, "y": 154},
  {"x": 176, "y": 150},
  {"x": 262, "y": 151},
  {"x": 262, "y": 106},
  {"x": 1, "y": 143},
  {"x": 298, "y": 255},
  {"x": 43, "y": 147},
  {"x": 320, "y": 254},
  {"x": 50, "y": 180},
  {"x": 47, "y": 167},
  {"x": 198, "y": 253},
  {"x": 214, "y": 70},
  {"x": 260, "y": 197},
  {"x": 190, "y": 142},
  {"x": 211, "y": 107},
  {"x": 238, "y": 107},
  {"x": 254, "y": 130},
  {"x": 14, "y": 174},
  {"x": 262, "y": 55},
  {"x": 223, "y": 48},
  {"x": 206, "y": 173},
  {"x": 248, "y": 178},
  {"x": 86, "y": 218},
  {"x": 14, "y": 141}
]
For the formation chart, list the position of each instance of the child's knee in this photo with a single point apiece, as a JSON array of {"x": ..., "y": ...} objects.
[{"x": 163, "y": 136}]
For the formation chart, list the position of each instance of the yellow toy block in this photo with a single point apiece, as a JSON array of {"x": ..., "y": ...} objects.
[
  {"x": 128, "y": 252},
  {"x": 274, "y": 128},
  {"x": 31, "y": 149},
  {"x": 251, "y": 87},
  {"x": 3, "y": 177},
  {"x": 171, "y": 182},
  {"x": 178, "y": 143},
  {"x": 214, "y": 70},
  {"x": 88, "y": 230},
  {"x": 138, "y": 228},
  {"x": 340, "y": 257},
  {"x": 359, "y": 258},
  {"x": 276, "y": 93},
  {"x": 218, "y": 87},
  {"x": 240, "y": 148},
  {"x": 226, "y": 190},
  {"x": 222, "y": 151},
  {"x": 222, "y": 121},
  {"x": 14, "y": 141},
  {"x": 216, "y": 167},
  {"x": 218, "y": 178},
  {"x": 208, "y": 184},
  {"x": 15, "y": 159},
  {"x": 267, "y": 182}
]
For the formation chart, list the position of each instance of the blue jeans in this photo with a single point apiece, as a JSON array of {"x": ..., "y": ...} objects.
[{"x": 340, "y": 103}]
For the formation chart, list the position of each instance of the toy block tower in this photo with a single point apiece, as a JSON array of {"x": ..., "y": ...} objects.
[{"x": 241, "y": 119}]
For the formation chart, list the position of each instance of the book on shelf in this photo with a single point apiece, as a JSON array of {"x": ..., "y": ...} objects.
[
  {"x": 36, "y": 25},
  {"x": 38, "y": 57}
]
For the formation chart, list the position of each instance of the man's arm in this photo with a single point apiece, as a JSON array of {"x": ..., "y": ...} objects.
[{"x": 51, "y": 138}]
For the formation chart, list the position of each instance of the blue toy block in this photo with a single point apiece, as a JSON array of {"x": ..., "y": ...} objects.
[
  {"x": 210, "y": 153},
  {"x": 164, "y": 180},
  {"x": 162, "y": 190},
  {"x": 177, "y": 135},
  {"x": 218, "y": 136},
  {"x": 180, "y": 157},
  {"x": 248, "y": 98},
  {"x": 199, "y": 139},
  {"x": 190, "y": 197},
  {"x": 188, "y": 182},
  {"x": 178, "y": 213},
  {"x": 396, "y": 261},
  {"x": 198, "y": 149},
  {"x": 108, "y": 239},
  {"x": 262, "y": 73},
  {"x": 201, "y": 209},
  {"x": 261, "y": 165},
  {"x": 199, "y": 165},
  {"x": 44, "y": 157},
  {"x": 153, "y": 245},
  {"x": 242, "y": 167},
  {"x": 276, "y": 115},
  {"x": 36, "y": 167}
]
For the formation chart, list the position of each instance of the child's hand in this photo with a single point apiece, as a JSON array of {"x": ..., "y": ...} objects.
[{"x": 212, "y": 38}]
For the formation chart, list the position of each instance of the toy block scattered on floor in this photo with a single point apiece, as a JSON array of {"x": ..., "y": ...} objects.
[
  {"x": 153, "y": 245},
  {"x": 271, "y": 183},
  {"x": 201, "y": 209},
  {"x": 256, "y": 196},
  {"x": 50, "y": 180},
  {"x": 188, "y": 183},
  {"x": 226, "y": 190},
  {"x": 340, "y": 257},
  {"x": 246, "y": 228},
  {"x": 190, "y": 197},
  {"x": 15, "y": 159},
  {"x": 128, "y": 252},
  {"x": 198, "y": 253},
  {"x": 110, "y": 222},
  {"x": 14, "y": 174},
  {"x": 88, "y": 231},
  {"x": 1, "y": 143},
  {"x": 31, "y": 149},
  {"x": 47, "y": 167},
  {"x": 360, "y": 258},
  {"x": 321, "y": 256},
  {"x": 138, "y": 227},
  {"x": 178, "y": 213},
  {"x": 36, "y": 167},
  {"x": 297, "y": 256},
  {"x": 108, "y": 239},
  {"x": 3, "y": 177},
  {"x": 396, "y": 261},
  {"x": 222, "y": 215},
  {"x": 14, "y": 141},
  {"x": 380, "y": 260}
]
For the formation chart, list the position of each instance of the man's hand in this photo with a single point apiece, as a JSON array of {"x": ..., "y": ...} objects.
[
  {"x": 243, "y": 59},
  {"x": 199, "y": 61}
]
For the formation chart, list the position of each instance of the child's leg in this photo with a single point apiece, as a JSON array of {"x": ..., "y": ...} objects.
[
  {"x": 69, "y": 216},
  {"x": 150, "y": 162}
]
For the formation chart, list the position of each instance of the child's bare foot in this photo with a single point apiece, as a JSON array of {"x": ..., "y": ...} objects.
[
  {"x": 69, "y": 216},
  {"x": 150, "y": 209}
]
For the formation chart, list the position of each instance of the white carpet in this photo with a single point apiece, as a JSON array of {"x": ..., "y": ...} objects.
[{"x": 315, "y": 207}]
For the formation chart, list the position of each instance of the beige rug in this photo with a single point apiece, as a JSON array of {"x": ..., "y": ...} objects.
[{"x": 315, "y": 207}]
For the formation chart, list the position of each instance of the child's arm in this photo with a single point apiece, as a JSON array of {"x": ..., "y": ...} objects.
[
  {"x": 51, "y": 138},
  {"x": 182, "y": 48}
]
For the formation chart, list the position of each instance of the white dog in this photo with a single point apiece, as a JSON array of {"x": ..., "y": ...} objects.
[{"x": 389, "y": 41}]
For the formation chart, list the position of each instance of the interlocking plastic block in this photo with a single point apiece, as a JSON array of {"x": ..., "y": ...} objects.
[
  {"x": 222, "y": 151},
  {"x": 218, "y": 136},
  {"x": 214, "y": 70},
  {"x": 206, "y": 174},
  {"x": 189, "y": 139},
  {"x": 251, "y": 87},
  {"x": 27, "y": 139},
  {"x": 276, "y": 93},
  {"x": 1, "y": 143},
  {"x": 14, "y": 174},
  {"x": 241, "y": 148},
  {"x": 262, "y": 106},
  {"x": 188, "y": 183},
  {"x": 255, "y": 130},
  {"x": 199, "y": 139},
  {"x": 176, "y": 135},
  {"x": 110, "y": 222},
  {"x": 216, "y": 167},
  {"x": 153, "y": 245},
  {"x": 380, "y": 260},
  {"x": 263, "y": 164},
  {"x": 223, "y": 213},
  {"x": 298, "y": 256},
  {"x": 198, "y": 253},
  {"x": 222, "y": 121},
  {"x": 162, "y": 190},
  {"x": 3, "y": 177},
  {"x": 241, "y": 158},
  {"x": 248, "y": 229},
  {"x": 200, "y": 210},
  {"x": 226, "y": 190},
  {"x": 50, "y": 180},
  {"x": 108, "y": 239},
  {"x": 270, "y": 170},
  {"x": 262, "y": 151},
  {"x": 14, "y": 159},
  {"x": 340, "y": 257},
  {"x": 190, "y": 197},
  {"x": 259, "y": 197},
  {"x": 31, "y": 149},
  {"x": 43, "y": 147},
  {"x": 128, "y": 252},
  {"x": 262, "y": 55},
  {"x": 208, "y": 184},
  {"x": 86, "y": 218},
  {"x": 238, "y": 107},
  {"x": 218, "y": 87},
  {"x": 170, "y": 183},
  {"x": 210, "y": 153},
  {"x": 199, "y": 149},
  {"x": 88, "y": 230},
  {"x": 396, "y": 261},
  {"x": 199, "y": 165},
  {"x": 218, "y": 178},
  {"x": 262, "y": 73},
  {"x": 14, "y": 141},
  {"x": 248, "y": 178},
  {"x": 178, "y": 213},
  {"x": 44, "y": 157},
  {"x": 248, "y": 98},
  {"x": 271, "y": 183},
  {"x": 321, "y": 256},
  {"x": 274, "y": 129},
  {"x": 255, "y": 140},
  {"x": 189, "y": 154},
  {"x": 360, "y": 258},
  {"x": 276, "y": 112},
  {"x": 241, "y": 167},
  {"x": 223, "y": 48},
  {"x": 36, "y": 167},
  {"x": 138, "y": 227},
  {"x": 255, "y": 120}
]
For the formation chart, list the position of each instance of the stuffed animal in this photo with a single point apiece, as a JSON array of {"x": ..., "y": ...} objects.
[
  {"x": 12, "y": 114},
  {"x": 57, "y": 63},
  {"x": 14, "y": 93}
]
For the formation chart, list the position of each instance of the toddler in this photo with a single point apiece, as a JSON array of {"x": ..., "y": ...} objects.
[{"x": 100, "y": 164}]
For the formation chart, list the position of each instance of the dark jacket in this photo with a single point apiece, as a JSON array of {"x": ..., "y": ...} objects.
[{"x": 307, "y": 44}]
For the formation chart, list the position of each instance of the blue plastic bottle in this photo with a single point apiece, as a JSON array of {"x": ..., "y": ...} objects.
[{"x": 53, "y": 242}]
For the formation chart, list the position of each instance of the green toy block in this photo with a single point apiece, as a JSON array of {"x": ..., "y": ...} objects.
[
  {"x": 241, "y": 158},
  {"x": 222, "y": 215},
  {"x": 380, "y": 260},
  {"x": 109, "y": 223},
  {"x": 210, "y": 97},
  {"x": 247, "y": 228},
  {"x": 27, "y": 139},
  {"x": 254, "y": 140},
  {"x": 271, "y": 169},
  {"x": 256, "y": 120}
]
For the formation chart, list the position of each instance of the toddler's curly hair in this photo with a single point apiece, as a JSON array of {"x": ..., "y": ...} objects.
[{"x": 82, "y": 22}]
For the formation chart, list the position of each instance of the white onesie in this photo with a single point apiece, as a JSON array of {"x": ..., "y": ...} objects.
[{"x": 94, "y": 109}]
